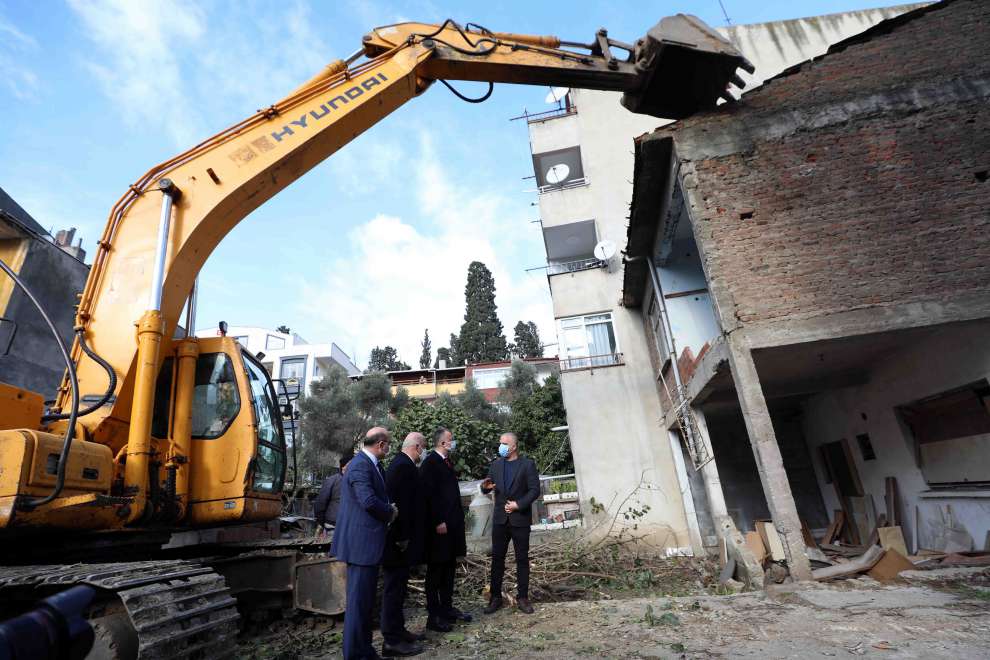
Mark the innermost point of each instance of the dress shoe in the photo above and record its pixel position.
(409, 636)
(524, 606)
(401, 648)
(436, 624)
(494, 605)
(455, 614)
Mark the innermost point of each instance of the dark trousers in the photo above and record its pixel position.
(440, 589)
(520, 545)
(396, 579)
(361, 584)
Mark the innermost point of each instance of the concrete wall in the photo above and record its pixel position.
(55, 278)
(951, 356)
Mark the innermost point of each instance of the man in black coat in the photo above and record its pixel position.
(403, 545)
(516, 483)
(327, 503)
(445, 540)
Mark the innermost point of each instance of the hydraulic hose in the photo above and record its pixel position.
(70, 368)
(111, 386)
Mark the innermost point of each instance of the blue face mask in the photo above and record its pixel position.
(503, 451)
(453, 445)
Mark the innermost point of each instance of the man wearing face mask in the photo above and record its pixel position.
(517, 485)
(403, 546)
(445, 540)
(359, 538)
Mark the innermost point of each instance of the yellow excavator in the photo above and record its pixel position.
(161, 457)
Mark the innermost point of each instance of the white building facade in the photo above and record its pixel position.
(583, 163)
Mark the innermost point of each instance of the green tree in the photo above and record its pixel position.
(473, 402)
(531, 419)
(477, 441)
(518, 384)
(527, 341)
(284, 329)
(385, 359)
(481, 338)
(339, 410)
(456, 358)
(427, 354)
(443, 353)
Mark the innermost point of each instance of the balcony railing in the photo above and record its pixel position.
(591, 362)
(575, 266)
(532, 118)
(566, 185)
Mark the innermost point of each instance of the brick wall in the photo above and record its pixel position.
(858, 181)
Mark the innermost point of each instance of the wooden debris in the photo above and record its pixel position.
(853, 567)
(967, 559)
(890, 566)
(892, 538)
(771, 540)
(755, 543)
(809, 540)
(844, 550)
(835, 529)
(892, 498)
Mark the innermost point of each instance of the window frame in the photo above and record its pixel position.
(567, 358)
(279, 427)
(237, 390)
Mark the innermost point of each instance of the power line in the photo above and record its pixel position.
(728, 21)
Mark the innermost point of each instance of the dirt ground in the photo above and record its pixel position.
(930, 614)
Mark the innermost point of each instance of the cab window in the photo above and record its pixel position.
(269, 472)
(215, 398)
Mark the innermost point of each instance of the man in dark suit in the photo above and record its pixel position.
(359, 539)
(327, 503)
(517, 485)
(403, 545)
(445, 540)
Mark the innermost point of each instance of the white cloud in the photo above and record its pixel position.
(141, 70)
(399, 278)
(16, 48)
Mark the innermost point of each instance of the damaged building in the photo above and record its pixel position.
(810, 266)
(582, 155)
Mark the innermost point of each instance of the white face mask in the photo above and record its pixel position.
(453, 445)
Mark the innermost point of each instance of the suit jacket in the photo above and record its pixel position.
(524, 490)
(327, 504)
(443, 505)
(405, 491)
(359, 537)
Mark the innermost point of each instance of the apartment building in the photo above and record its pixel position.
(844, 370)
(583, 162)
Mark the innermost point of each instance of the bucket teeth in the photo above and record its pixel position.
(685, 67)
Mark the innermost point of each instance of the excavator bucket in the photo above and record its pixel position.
(685, 67)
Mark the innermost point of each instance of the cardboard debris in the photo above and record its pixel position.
(892, 538)
(890, 566)
(853, 567)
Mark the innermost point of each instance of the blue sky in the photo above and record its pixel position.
(372, 246)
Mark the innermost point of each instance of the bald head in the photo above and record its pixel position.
(376, 441)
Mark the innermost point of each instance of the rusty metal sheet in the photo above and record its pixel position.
(321, 586)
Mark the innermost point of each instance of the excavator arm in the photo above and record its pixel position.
(162, 230)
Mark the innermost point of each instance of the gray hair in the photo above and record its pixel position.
(438, 434)
(510, 434)
(413, 439)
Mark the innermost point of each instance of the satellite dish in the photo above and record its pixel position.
(605, 250)
(557, 94)
(558, 173)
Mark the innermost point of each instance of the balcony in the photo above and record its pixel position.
(575, 266)
(591, 362)
(534, 118)
(566, 185)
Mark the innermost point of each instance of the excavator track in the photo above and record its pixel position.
(176, 609)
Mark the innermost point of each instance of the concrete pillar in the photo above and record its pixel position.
(749, 569)
(768, 459)
(687, 497)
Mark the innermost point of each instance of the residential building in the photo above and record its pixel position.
(289, 357)
(428, 384)
(583, 164)
(29, 356)
(488, 376)
(836, 219)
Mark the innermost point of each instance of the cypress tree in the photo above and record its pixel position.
(481, 338)
(424, 358)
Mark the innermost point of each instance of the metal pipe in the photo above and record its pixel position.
(169, 194)
(191, 309)
(662, 307)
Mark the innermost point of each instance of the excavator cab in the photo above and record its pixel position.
(236, 454)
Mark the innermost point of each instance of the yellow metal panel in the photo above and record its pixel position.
(235, 509)
(418, 390)
(90, 468)
(20, 408)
